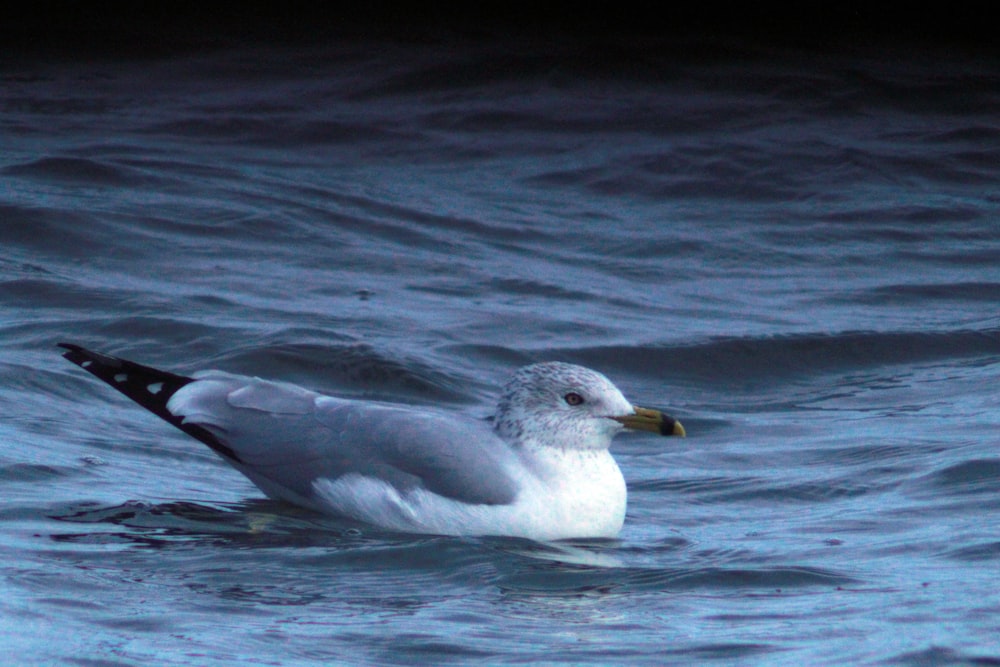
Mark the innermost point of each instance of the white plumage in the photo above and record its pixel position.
(541, 470)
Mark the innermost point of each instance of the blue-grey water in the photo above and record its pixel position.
(797, 252)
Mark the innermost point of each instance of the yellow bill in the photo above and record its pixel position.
(644, 419)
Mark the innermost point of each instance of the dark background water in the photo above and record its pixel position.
(783, 227)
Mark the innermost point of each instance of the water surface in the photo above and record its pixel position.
(795, 252)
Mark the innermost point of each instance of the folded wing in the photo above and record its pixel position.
(287, 438)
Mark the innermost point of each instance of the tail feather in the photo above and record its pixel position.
(149, 387)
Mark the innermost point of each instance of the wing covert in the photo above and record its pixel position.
(292, 437)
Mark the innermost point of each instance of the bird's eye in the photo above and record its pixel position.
(573, 398)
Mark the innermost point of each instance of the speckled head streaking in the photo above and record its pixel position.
(554, 404)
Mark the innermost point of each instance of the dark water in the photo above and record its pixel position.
(796, 251)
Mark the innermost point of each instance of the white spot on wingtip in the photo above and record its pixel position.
(121, 377)
(155, 388)
(87, 364)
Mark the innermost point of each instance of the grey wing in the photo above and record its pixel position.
(285, 438)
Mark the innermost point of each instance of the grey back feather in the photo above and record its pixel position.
(293, 437)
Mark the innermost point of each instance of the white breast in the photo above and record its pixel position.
(563, 495)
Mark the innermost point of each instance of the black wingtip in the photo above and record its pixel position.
(81, 355)
(149, 387)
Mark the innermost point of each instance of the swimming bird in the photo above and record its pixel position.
(541, 470)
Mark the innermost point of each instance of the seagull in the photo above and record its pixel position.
(540, 469)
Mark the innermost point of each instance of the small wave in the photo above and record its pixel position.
(75, 170)
(979, 476)
(937, 655)
(566, 580)
(354, 367)
(917, 294)
(976, 552)
(774, 578)
(281, 133)
(31, 472)
(755, 358)
(37, 235)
